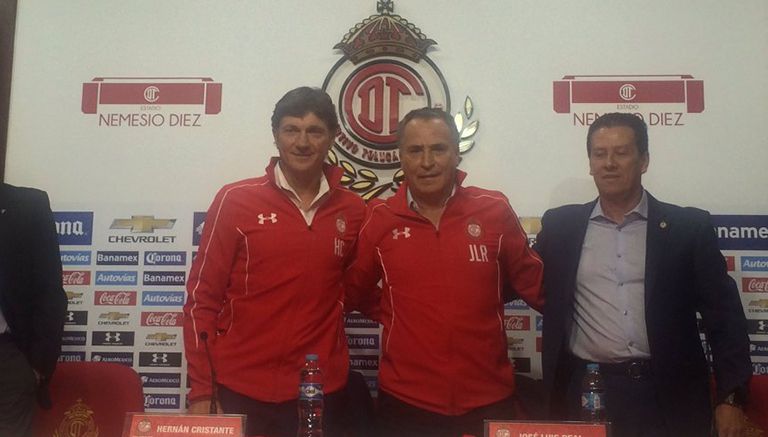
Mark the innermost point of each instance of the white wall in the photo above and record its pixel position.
(504, 55)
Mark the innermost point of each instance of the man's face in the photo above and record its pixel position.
(615, 163)
(429, 157)
(303, 144)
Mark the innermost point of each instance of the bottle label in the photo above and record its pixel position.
(592, 401)
(310, 391)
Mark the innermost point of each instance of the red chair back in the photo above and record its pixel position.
(90, 398)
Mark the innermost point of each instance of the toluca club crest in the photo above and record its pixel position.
(383, 75)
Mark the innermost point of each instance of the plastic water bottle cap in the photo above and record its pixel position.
(311, 357)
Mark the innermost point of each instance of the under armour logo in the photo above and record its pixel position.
(272, 218)
(405, 233)
(110, 336)
(761, 325)
(70, 316)
(159, 358)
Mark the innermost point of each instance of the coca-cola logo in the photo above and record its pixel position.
(754, 285)
(76, 277)
(517, 323)
(161, 319)
(115, 298)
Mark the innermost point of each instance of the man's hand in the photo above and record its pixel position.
(203, 407)
(730, 421)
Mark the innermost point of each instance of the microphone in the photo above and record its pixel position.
(214, 393)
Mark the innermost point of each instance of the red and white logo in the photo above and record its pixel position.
(76, 277)
(730, 261)
(661, 100)
(517, 322)
(151, 101)
(754, 285)
(384, 74)
(114, 298)
(161, 319)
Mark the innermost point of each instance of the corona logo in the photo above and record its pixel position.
(384, 74)
(78, 421)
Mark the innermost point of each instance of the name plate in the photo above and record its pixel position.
(512, 428)
(177, 425)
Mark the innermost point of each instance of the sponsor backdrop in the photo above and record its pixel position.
(131, 116)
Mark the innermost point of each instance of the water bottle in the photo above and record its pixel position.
(310, 399)
(592, 395)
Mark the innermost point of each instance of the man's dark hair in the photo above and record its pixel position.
(429, 114)
(625, 119)
(303, 100)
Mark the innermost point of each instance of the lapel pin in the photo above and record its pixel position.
(663, 225)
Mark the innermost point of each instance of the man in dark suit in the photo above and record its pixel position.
(624, 277)
(32, 305)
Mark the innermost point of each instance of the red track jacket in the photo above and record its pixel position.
(267, 289)
(444, 347)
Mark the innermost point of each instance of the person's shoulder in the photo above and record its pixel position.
(378, 206)
(687, 213)
(23, 194)
(350, 198)
(486, 196)
(245, 184)
(567, 211)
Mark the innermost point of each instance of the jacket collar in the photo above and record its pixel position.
(333, 173)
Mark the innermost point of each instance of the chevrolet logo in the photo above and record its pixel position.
(73, 295)
(143, 223)
(514, 340)
(761, 303)
(161, 336)
(113, 315)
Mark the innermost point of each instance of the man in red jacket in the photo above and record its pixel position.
(444, 253)
(265, 288)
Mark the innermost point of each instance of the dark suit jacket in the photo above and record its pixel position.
(31, 295)
(685, 273)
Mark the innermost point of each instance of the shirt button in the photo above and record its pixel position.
(618, 255)
(621, 284)
(625, 313)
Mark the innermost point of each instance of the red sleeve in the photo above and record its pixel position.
(208, 279)
(363, 275)
(522, 267)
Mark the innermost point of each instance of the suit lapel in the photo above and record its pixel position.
(655, 242)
